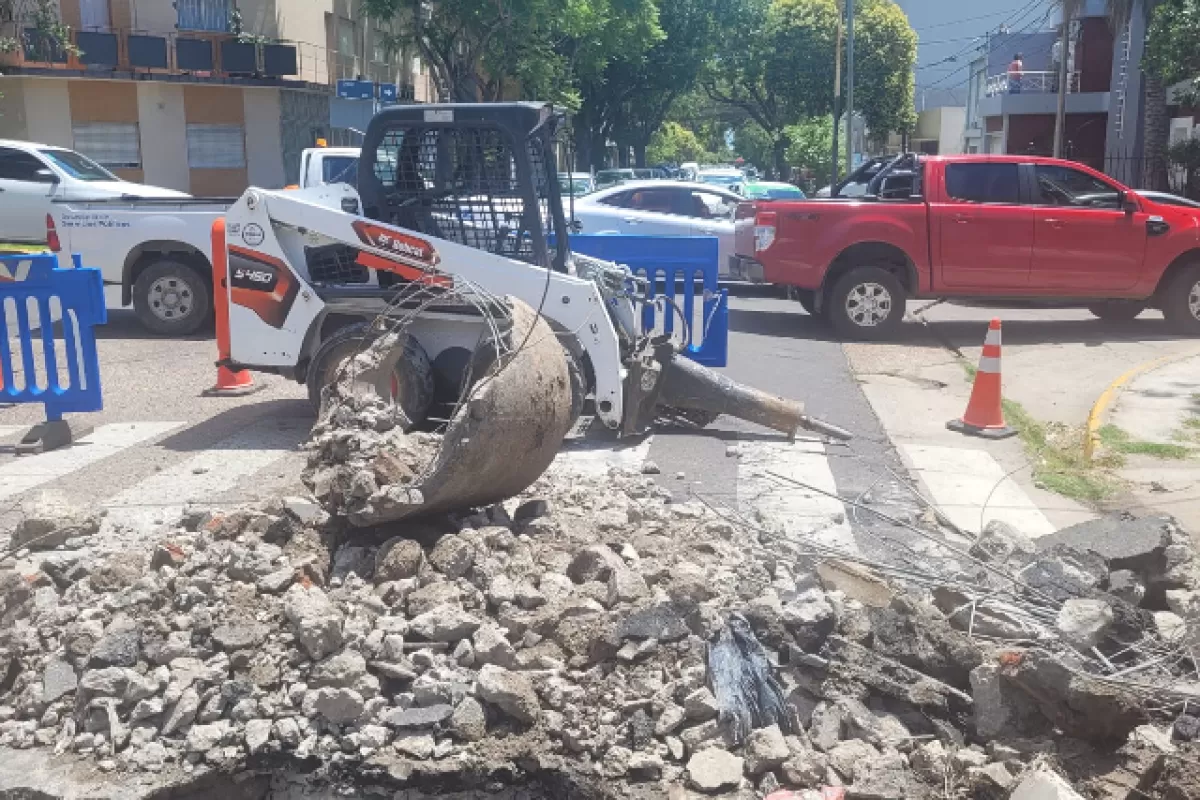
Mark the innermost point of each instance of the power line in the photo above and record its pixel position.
(957, 21)
(1012, 19)
(1050, 10)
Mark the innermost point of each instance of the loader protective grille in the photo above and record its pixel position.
(464, 184)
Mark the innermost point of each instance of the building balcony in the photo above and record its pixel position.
(1029, 83)
(191, 55)
(1037, 93)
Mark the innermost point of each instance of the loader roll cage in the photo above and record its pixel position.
(478, 174)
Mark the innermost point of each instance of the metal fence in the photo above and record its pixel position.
(1029, 83)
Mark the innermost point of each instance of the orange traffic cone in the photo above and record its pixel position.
(230, 383)
(985, 416)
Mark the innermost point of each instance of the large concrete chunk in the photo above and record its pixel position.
(1044, 785)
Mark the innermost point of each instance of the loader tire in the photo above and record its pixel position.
(171, 298)
(412, 385)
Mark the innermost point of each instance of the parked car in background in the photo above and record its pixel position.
(978, 226)
(771, 190)
(159, 250)
(33, 176)
(689, 171)
(726, 178)
(649, 174)
(1169, 199)
(576, 184)
(662, 208)
(611, 177)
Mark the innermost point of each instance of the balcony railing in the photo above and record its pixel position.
(197, 53)
(1030, 83)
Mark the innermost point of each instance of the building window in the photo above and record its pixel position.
(203, 15)
(216, 146)
(93, 14)
(110, 144)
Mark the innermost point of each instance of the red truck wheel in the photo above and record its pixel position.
(1181, 301)
(866, 303)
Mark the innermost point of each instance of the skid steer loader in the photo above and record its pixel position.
(460, 245)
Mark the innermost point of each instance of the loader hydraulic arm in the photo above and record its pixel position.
(574, 306)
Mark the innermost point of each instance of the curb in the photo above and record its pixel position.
(1096, 416)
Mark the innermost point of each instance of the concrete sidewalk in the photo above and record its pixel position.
(1158, 412)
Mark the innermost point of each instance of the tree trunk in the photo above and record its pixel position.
(639, 154)
(781, 162)
(583, 143)
(622, 154)
(1155, 132)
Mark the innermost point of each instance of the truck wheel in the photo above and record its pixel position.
(866, 303)
(411, 385)
(1117, 310)
(1181, 301)
(172, 298)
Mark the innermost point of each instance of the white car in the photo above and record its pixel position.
(726, 178)
(33, 176)
(662, 208)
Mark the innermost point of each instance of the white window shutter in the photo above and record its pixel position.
(110, 144)
(214, 146)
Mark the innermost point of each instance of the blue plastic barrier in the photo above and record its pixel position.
(35, 280)
(673, 264)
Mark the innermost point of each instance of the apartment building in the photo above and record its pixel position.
(167, 92)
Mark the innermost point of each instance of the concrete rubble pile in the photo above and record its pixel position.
(565, 637)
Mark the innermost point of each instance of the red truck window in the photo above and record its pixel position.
(1063, 186)
(983, 183)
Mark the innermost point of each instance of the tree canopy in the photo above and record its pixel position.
(623, 66)
(1173, 41)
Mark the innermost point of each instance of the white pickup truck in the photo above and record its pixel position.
(159, 251)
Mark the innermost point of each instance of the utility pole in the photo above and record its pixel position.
(837, 96)
(1064, 57)
(849, 86)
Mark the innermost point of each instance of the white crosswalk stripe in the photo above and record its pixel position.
(162, 497)
(972, 489)
(249, 464)
(780, 506)
(29, 472)
(590, 458)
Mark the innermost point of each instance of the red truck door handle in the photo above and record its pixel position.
(1057, 223)
(961, 219)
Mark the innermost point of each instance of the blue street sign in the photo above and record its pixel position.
(356, 90)
(387, 92)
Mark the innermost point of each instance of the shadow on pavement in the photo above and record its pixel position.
(961, 333)
(124, 324)
(209, 435)
(794, 325)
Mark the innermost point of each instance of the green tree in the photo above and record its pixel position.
(809, 144)
(481, 49)
(776, 65)
(675, 144)
(885, 55)
(667, 70)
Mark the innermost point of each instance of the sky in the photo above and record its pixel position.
(949, 33)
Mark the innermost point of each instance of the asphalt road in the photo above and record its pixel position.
(774, 346)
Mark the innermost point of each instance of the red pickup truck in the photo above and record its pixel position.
(984, 226)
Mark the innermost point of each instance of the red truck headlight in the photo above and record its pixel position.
(764, 230)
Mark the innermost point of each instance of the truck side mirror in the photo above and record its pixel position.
(1129, 203)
